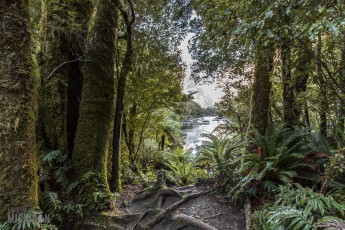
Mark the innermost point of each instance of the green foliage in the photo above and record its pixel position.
(297, 207)
(31, 219)
(57, 165)
(98, 200)
(51, 202)
(218, 154)
(67, 201)
(181, 165)
(335, 168)
(276, 158)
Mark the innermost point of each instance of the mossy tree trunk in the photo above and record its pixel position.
(129, 135)
(18, 166)
(94, 124)
(323, 105)
(289, 116)
(127, 68)
(301, 77)
(341, 106)
(262, 88)
(63, 35)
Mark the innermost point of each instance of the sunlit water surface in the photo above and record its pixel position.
(193, 134)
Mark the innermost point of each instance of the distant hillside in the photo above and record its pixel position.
(193, 109)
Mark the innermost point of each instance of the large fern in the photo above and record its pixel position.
(279, 157)
(180, 163)
(218, 154)
(297, 207)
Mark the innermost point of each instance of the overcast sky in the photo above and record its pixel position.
(207, 94)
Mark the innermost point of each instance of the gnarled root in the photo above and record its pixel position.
(169, 214)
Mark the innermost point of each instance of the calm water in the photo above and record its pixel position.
(193, 138)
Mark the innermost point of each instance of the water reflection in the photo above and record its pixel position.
(193, 139)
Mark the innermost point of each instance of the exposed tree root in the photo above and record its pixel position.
(160, 183)
(160, 197)
(169, 214)
(248, 212)
(186, 220)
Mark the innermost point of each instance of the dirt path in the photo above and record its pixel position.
(191, 208)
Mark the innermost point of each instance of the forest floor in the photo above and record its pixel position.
(197, 207)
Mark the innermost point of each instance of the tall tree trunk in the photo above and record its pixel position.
(82, 12)
(289, 117)
(18, 166)
(301, 77)
(163, 142)
(53, 92)
(262, 88)
(93, 132)
(323, 92)
(341, 106)
(61, 93)
(127, 68)
(306, 114)
(131, 135)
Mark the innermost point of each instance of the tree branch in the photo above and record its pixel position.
(65, 63)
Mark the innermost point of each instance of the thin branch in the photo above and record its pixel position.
(65, 63)
(132, 12)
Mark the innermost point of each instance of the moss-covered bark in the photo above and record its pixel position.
(18, 166)
(63, 35)
(301, 76)
(289, 116)
(323, 104)
(93, 131)
(341, 105)
(52, 106)
(262, 88)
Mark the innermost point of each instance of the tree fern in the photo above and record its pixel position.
(218, 153)
(279, 156)
(181, 166)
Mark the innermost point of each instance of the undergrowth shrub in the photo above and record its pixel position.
(29, 219)
(67, 201)
(279, 157)
(297, 207)
(182, 168)
(218, 154)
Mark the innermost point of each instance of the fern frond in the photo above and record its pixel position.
(51, 157)
(51, 202)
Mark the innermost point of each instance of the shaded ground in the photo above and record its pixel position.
(202, 211)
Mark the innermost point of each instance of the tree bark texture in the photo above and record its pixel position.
(91, 143)
(18, 166)
(262, 88)
(60, 95)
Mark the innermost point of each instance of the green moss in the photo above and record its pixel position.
(52, 91)
(93, 132)
(63, 34)
(262, 88)
(18, 166)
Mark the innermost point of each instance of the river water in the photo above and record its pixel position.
(193, 139)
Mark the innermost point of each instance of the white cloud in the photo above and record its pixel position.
(208, 94)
